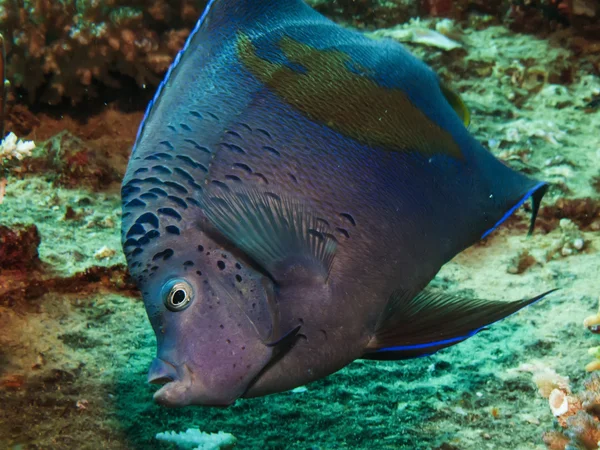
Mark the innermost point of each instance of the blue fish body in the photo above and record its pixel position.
(293, 189)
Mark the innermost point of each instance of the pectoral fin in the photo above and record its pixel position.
(420, 325)
(278, 233)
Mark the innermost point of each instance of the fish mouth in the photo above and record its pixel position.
(180, 386)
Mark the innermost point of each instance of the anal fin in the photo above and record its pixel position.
(419, 325)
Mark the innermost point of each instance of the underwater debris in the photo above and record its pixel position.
(418, 35)
(592, 323)
(73, 163)
(521, 262)
(577, 415)
(570, 242)
(585, 212)
(19, 247)
(197, 440)
(37, 284)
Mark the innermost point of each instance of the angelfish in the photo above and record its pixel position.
(293, 189)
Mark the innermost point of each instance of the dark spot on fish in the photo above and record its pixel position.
(163, 155)
(141, 170)
(172, 229)
(190, 162)
(149, 196)
(238, 266)
(168, 144)
(178, 201)
(131, 242)
(330, 236)
(193, 201)
(195, 185)
(264, 132)
(316, 234)
(221, 265)
(176, 186)
(199, 273)
(244, 167)
(323, 221)
(172, 128)
(149, 158)
(169, 212)
(220, 184)
(233, 133)
(198, 146)
(184, 174)
(262, 178)
(162, 169)
(196, 114)
(293, 177)
(152, 180)
(349, 218)
(136, 229)
(128, 190)
(153, 268)
(148, 218)
(185, 127)
(213, 116)
(152, 234)
(271, 150)
(324, 333)
(344, 232)
(159, 191)
(228, 341)
(238, 278)
(188, 264)
(135, 203)
(164, 255)
(200, 248)
(273, 196)
(233, 178)
(246, 126)
(136, 252)
(234, 148)
(221, 327)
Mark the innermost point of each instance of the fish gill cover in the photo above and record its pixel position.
(76, 344)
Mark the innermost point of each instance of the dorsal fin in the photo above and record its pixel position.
(216, 14)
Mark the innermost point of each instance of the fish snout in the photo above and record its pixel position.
(161, 372)
(182, 388)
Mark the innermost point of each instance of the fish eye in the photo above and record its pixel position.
(177, 295)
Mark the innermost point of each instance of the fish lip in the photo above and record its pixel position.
(185, 389)
(173, 393)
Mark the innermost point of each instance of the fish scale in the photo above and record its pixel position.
(293, 189)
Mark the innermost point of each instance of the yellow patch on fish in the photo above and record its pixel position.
(329, 92)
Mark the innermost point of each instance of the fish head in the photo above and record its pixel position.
(211, 314)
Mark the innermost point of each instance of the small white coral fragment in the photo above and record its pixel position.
(12, 147)
(197, 440)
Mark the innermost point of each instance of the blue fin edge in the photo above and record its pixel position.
(174, 64)
(458, 338)
(429, 344)
(529, 193)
